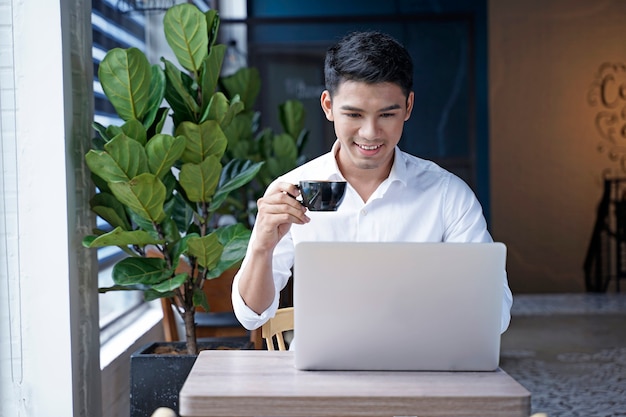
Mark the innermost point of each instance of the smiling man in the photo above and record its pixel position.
(391, 196)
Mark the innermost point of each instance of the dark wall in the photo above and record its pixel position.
(287, 41)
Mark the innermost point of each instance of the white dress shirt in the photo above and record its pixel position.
(418, 202)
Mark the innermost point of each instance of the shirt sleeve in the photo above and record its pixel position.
(507, 302)
(281, 265)
(465, 222)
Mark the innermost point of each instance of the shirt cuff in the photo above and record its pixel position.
(246, 316)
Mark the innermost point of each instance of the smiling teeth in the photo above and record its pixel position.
(369, 148)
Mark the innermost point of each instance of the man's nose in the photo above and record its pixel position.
(369, 129)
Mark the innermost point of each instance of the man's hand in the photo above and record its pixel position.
(277, 210)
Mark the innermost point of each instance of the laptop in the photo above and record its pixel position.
(398, 306)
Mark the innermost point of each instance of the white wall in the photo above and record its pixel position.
(48, 344)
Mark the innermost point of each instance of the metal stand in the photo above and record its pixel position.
(606, 255)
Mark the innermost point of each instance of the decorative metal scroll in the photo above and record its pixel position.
(142, 6)
(608, 92)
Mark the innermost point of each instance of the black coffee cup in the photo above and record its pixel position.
(322, 195)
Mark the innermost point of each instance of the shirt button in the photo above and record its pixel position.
(364, 212)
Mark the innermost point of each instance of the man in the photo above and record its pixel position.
(391, 195)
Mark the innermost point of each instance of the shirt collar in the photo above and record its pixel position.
(398, 169)
(331, 169)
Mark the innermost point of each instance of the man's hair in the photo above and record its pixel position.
(369, 57)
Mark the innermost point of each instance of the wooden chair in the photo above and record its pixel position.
(275, 328)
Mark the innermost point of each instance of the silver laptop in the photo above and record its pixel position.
(398, 306)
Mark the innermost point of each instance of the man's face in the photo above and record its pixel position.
(368, 120)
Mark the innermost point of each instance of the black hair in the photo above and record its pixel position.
(370, 57)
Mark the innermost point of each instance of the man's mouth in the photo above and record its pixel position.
(368, 147)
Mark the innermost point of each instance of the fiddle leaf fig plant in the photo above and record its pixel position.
(280, 152)
(161, 192)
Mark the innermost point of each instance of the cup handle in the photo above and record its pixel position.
(294, 197)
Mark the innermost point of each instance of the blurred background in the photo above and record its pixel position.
(523, 100)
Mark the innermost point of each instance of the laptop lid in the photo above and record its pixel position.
(398, 306)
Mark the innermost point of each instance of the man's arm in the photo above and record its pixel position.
(277, 210)
(467, 224)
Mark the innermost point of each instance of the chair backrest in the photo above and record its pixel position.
(276, 327)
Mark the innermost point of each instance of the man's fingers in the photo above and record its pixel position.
(284, 208)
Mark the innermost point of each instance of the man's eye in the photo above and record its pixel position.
(353, 115)
(386, 115)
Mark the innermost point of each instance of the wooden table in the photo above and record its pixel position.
(264, 383)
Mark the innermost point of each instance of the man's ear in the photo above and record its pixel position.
(327, 105)
(409, 105)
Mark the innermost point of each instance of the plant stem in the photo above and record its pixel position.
(190, 330)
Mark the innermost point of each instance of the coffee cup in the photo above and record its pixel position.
(322, 195)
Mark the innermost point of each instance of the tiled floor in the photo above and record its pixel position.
(569, 351)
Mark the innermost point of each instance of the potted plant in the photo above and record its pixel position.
(280, 152)
(161, 193)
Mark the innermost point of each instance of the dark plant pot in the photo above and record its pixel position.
(157, 378)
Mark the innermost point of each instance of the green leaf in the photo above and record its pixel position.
(292, 116)
(128, 154)
(211, 67)
(181, 213)
(217, 108)
(122, 159)
(239, 134)
(235, 240)
(162, 152)
(102, 131)
(234, 175)
(170, 230)
(180, 247)
(101, 184)
(206, 139)
(135, 287)
(125, 76)
(157, 93)
(286, 154)
(171, 182)
(134, 271)
(200, 300)
(121, 237)
(150, 295)
(177, 93)
(135, 130)
(103, 166)
(110, 209)
(236, 106)
(186, 33)
(213, 24)
(159, 121)
(284, 147)
(144, 195)
(171, 283)
(113, 131)
(206, 249)
(271, 167)
(246, 82)
(200, 180)
(87, 240)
